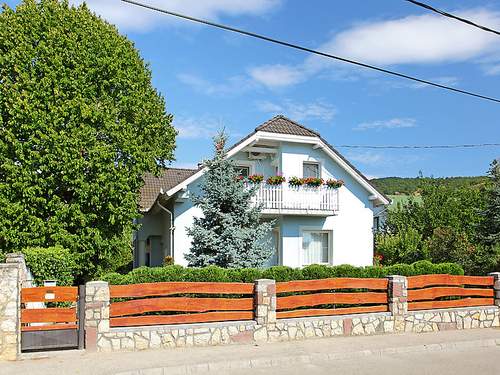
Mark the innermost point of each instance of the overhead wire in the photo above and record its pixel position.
(310, 50)
(450, 15)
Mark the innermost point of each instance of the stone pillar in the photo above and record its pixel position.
(18, 258)
(96, 312)
(265, 301)
(10, 311)
(496, 287)
(398, 295)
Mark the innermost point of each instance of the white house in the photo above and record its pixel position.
(312, 225)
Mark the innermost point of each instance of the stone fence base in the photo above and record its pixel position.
(207, 334)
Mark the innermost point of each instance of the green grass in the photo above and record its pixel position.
(402, 199)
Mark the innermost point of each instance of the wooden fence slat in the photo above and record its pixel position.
(169, 288)
(49, 315)
(339, 311)
(456, 280)
(336, 283)
(148, 320)
(179, 304)
(468, 302)
(437, 292)
(291, 302)
(54, 294)
(49, 327)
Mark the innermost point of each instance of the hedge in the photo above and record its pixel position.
(51, 263)
(278, 273)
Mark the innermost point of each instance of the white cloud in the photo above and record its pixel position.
(366, 157)
(394, 123)
(425, 38)
(445, 80)
(131, 17)
(230, 86)
(317, 110)
(193, 128)
(275, 76)
(492, 70)
(422, 39)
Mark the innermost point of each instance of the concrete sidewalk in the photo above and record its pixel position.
(223, 358)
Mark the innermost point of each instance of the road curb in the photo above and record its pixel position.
(269, 362)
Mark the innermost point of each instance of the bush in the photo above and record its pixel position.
(406, 246)
(278, 273)
(51, 263)
(449, 245)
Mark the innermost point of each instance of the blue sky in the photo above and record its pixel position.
(211, 78)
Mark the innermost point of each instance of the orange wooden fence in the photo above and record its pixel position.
(434, 291)
(51, 318)
(150, 299)
(332, 292)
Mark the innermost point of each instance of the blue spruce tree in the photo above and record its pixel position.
(230, 234)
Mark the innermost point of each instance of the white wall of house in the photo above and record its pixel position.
(349, 231)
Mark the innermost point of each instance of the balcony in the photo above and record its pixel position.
(291, 200)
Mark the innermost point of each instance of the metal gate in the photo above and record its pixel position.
(52, 318)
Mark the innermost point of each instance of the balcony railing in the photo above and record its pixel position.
(300, 198)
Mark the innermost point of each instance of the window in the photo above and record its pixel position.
(315, 247)
(310, 170)
(243, 171)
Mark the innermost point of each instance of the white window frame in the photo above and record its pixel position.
(312, 162)
(245, 164)
(316, 230)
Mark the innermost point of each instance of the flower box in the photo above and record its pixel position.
(334, 184)
(275, 180)
(295, 181)
(313, 181)
(256, 178)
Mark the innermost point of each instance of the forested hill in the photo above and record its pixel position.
(407, 185)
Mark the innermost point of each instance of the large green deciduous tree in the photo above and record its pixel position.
(80, 123)
(230, 233)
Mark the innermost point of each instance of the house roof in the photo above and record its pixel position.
(282, 125)
(153, 185)
(279, 124)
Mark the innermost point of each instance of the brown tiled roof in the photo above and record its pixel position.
(168, 179)
(281, 124)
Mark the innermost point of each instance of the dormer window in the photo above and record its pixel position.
(310, 169)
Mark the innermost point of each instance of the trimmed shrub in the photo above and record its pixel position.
(51, 263)
(278, 273)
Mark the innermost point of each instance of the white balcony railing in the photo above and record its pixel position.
(284, 197)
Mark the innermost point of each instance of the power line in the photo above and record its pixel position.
(324, 54)
(446, 14)
(422, 146)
